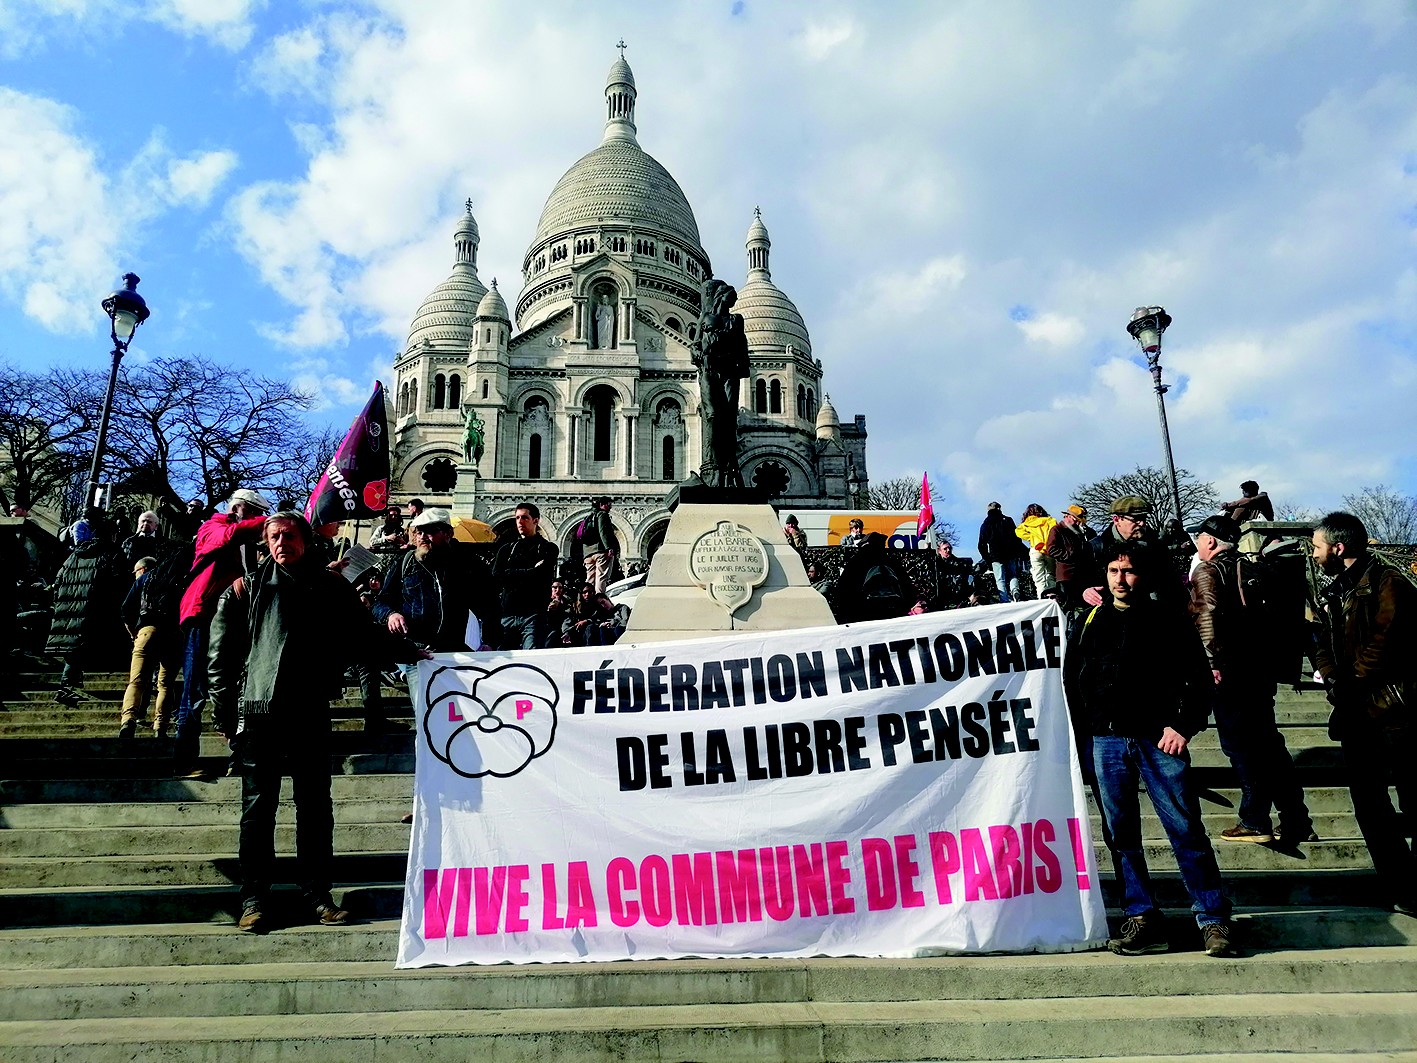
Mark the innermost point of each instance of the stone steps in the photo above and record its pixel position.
(781, 1032)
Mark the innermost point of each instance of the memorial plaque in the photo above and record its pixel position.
(728, 561)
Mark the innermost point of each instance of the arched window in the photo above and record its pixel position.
(402, 406)
(801, 401)
(454, 391)
(760, 396)
(667, 460)
(602, 406)
(440, 392)
(412, 396)
(811, 403)
(533, 458)
(673, 322)
(484, 389)
(775, 397)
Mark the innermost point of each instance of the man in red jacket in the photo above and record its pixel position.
(226, 549)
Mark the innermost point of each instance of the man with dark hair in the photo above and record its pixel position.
(1001, 550)
(280, 639)
(522, 572)
(1253, 504)
(1367, 658)
(1139, 690)
(1236, 641)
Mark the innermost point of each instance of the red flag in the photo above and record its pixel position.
(356, 482)
(927, 511)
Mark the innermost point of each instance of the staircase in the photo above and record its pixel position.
(117, 940)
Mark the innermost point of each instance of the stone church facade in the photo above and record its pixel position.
(590, 389)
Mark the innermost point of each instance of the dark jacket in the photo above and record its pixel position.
(1065, 546)
(873, 584)
(1369, 641)
(522, 572)
(280, 641)
(87, 595)
(435, 596)
(1148, 557)
(998, 539)
(137, 547)
(1235, 641)
(598, 534)
(1134, 672)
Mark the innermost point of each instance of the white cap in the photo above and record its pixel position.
(251, 498)
(432, 515)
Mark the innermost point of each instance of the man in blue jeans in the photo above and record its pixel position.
(1139, 688)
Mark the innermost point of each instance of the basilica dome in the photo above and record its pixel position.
(445, 318)
(770, 318)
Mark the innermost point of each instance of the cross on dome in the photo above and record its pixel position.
(622, 46)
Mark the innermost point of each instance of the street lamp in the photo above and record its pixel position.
(126, 310)
(1146, 327)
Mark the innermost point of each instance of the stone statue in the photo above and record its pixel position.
(604, 317)
(721, 354)
(472, 436)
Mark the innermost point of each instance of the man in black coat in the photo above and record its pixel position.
(1002, 550)
(280, 640)
(87, 595)
(522, 573)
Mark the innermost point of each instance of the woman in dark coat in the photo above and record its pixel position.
(86, 606)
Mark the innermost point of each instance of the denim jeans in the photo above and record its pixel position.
(1006, 575)
(1120, 763)
(1250, 738)
(523, 632)
(187, 742)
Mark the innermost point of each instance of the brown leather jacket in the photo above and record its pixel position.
(1370, 638)
(1235, 649)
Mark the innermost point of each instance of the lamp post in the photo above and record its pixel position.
(853, 488)
(126, 310)
(1146, 327)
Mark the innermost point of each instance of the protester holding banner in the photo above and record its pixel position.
(1139, 689)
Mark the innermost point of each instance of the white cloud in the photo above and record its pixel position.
(1053, 330)
(326, 388)
(27, 26)
(194, 180)
(820, 39)
(912, 292)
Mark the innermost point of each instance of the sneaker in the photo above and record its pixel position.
(1140, 934)
(1242, 833)
(1215, 939)
(67, 696)
(128, 730)
(327, 914)
(1403, 908)
(251, 921)
(191, 771)
(1294, 837)
(160, 732)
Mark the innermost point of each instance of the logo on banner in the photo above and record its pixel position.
(728, 561)
(376, 494)
(495, 722)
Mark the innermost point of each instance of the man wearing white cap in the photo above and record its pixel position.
(225, 550)
(431, 590)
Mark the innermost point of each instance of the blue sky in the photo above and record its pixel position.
(966, 200)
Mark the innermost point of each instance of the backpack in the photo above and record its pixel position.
(161, 597)
(1271, 605)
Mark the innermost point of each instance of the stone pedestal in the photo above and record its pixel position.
(742, 577)
(465, 492)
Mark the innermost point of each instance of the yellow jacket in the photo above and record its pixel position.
(1034, 531)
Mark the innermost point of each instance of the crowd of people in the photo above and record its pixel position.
(264, 621)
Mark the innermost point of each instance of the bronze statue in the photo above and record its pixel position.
(721, 354)
(472, 437)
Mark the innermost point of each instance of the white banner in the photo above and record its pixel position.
(898, 788)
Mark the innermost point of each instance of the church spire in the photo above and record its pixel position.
(620, 99)
(757, 245)
(466, 238)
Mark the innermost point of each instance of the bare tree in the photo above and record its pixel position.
(1286, 510)
(1390, 518)
(48, 423)
(901, 494)
(1198, 499)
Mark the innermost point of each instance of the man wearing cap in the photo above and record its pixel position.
(1065, 546)
(598, 544)
(1235, 644)
(430, 591)
(1131, 523)
(225, 550)
(522, 573)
